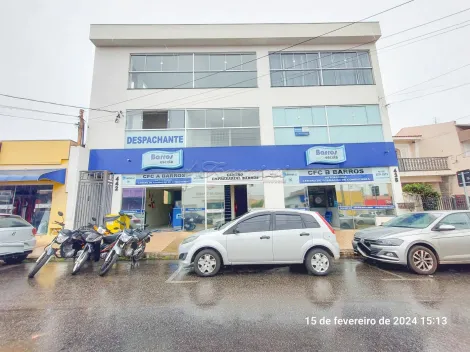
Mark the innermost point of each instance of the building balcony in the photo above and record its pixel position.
(423, 164)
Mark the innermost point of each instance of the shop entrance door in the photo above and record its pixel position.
(323, 200)
(241, 200)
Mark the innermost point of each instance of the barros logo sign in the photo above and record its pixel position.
(325, 155)
(159, 159)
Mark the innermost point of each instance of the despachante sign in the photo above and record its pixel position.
(160, 159)
(325, 155)
(152, 139)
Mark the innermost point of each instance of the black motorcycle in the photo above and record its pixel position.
(90, 250)
(67, 243)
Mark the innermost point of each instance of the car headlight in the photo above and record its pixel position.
(388, 242)
(189, 239)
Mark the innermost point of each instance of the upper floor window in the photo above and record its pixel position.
(162, 71)
(320, 69)
(193, 128)
(327, 124)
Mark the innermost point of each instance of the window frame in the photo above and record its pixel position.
(320, 69)
(288, 214)
(193, 71)
(230, 231)
(465, 213)
(327, 124)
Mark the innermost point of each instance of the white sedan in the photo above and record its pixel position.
(16, 238)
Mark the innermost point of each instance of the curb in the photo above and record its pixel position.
(344, 254)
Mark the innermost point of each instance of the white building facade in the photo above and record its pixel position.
(219, 119)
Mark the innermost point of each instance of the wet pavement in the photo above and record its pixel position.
(157, 307)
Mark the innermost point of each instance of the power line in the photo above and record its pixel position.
(275, 52)
(425, 95)
(329, 66)
(53, 103)
(41, 111)
(428, 80)
(31, 118)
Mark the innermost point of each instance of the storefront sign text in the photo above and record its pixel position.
(301, 131)
(366, 207)
(325, 155)
(159, 159)
(162, 179)
(349, 175)
(157, 139)
(235, 177)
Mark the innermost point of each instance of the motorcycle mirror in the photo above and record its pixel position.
(121, 213)
(94, 219)
(60, 213)
(116, 228)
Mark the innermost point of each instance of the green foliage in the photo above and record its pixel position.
(421, 189)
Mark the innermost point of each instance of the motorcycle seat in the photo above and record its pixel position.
(67, 232)
(110, 239)
(142, 235)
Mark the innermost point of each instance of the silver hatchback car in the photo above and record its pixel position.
(419, 240)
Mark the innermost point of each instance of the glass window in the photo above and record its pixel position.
(244, 136)
(193, 199)
(160, 80)
(196, 118)
(154, 63)
(275, 61)
(185, 63)
(295, 197)
(232, 118)
(255, 224)
(356, 134)
(304, 69)
(7, 221)
(233, 62)
(176, 119)
(286, 136)
(169, 63)
(413, 220)
(279, 117)
(255, 194)
(458, 220)
(249, 62)
(373, 114)
(310, 222)
(215, 205)
(288, 222)
(318, 115)
(134, 120)
(226, 79)
(201, 62)
(137, 63)
(250, 117)
(217, 62)
(214, 118)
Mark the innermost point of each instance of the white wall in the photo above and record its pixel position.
(78, 161)
(110, 82)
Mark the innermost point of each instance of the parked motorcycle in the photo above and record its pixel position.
(129, 243)
(189, 224)
(90, 250)
(67, 242)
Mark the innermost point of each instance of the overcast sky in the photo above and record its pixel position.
(46, 54)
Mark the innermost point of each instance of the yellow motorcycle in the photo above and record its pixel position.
(117, 222)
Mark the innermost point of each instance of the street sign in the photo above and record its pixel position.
(466, 175)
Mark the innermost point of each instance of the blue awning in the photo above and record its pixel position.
(57, 175)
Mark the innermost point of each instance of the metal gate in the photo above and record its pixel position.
(95, 192)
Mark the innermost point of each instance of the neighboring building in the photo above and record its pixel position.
(33, 180)
(433, 154)
(204, 98)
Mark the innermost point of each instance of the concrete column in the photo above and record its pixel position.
(396, 189)
(273, 189)
(116, 202)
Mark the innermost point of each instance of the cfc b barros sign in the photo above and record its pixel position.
(325, 155)
(159, 159)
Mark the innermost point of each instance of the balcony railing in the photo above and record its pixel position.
(422, 164)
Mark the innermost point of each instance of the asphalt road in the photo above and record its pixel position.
(157, 307)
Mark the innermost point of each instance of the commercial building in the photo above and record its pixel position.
(33, 180)
(220, 119)
(433, 154)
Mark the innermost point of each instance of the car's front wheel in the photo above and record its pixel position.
(422, 260)
(318, 262)
(207, 263)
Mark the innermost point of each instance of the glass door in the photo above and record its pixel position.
(133, 203)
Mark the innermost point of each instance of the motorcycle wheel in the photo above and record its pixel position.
(82, 258)
(39, 264)
(141, 250)
(108, 263)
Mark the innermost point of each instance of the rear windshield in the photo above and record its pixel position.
(413, 220)
(7, 221)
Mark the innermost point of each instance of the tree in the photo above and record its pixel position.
(428, 195)
(422, 189)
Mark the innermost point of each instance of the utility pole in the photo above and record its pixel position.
(81, 129)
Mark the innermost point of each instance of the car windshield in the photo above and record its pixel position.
(414, 220)
(224, 225)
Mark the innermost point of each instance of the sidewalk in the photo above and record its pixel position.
(164, 245)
